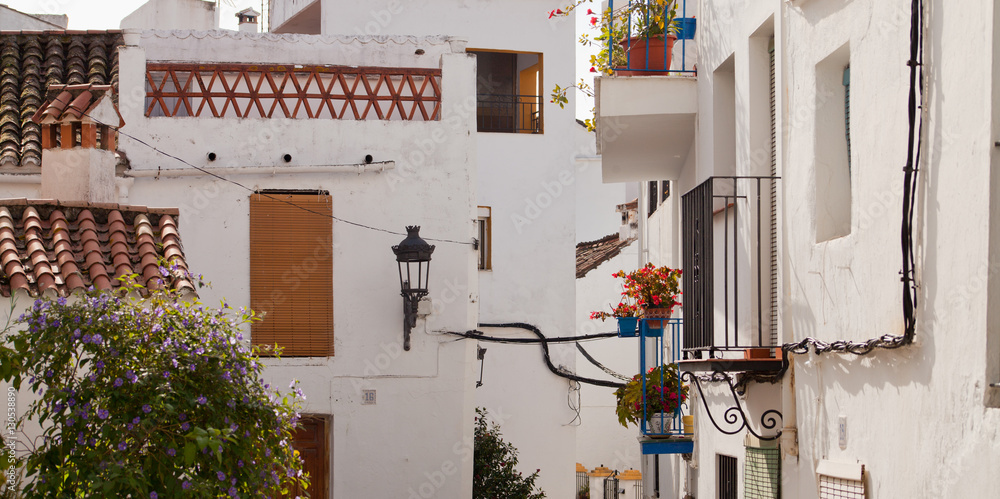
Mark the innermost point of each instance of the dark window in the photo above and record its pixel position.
(664, 190)
(727, 486)
(654, 197)
(485, 228)
(508, 87)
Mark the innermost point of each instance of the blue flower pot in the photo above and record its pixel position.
(627, 326)
(686, 27)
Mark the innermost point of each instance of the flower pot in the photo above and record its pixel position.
(656, 313)
(658, 424)
(627, 326)
(658, 49)
(686, 27)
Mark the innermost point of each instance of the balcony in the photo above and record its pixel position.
(730, 275)
(509, 113)
(648, 107)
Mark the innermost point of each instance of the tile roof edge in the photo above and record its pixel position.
(166, 210)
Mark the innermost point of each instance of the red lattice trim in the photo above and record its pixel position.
(286, 91)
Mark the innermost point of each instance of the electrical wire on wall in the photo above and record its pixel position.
(910, 170)
(210, 173)
(544, 342)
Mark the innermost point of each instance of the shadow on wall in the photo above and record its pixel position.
(814, 12)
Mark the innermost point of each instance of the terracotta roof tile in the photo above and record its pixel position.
(51, 248)
(31, 61)
(591, 255)
(71, 102)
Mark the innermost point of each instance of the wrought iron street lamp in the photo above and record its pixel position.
(413, 255)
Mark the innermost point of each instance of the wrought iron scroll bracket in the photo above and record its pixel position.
(735, 414)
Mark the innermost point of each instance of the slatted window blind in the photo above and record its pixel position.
(762, 473)
(291, 272)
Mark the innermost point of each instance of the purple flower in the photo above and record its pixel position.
(182, 416)
(130, 375)
(118, 382)
(186, 485)
(171, 452)
(202, 400)
(232, 491)
(103, 414)
(185, 426)
(152, 495)
(221, 475)
(136, 420)
(146, 408)
(122, 445)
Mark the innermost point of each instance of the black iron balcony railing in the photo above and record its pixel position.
(509, 113)
(728, 241)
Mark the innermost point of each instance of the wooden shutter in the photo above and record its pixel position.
(291, 272)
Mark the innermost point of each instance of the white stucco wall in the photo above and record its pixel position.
(601, 440)
(416, 439)
(173, 14)
(848, 287)
(528, 180)
(14, 20)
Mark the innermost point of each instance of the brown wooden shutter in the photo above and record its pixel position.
(291, 272)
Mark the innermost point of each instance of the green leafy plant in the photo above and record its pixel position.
(149, 397)
(663, 393)
(631, 19)
(584, 492)
(494, 467)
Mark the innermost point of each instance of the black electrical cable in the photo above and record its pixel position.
(264, 194)
(594, 361)
(479, 335)
(548, 360)
(914, 145)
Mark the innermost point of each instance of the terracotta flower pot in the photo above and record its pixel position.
(656, 313)
(637, 48)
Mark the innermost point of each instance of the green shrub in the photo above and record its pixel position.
(495, 474)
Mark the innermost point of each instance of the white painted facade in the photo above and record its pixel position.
(419, 431)
(529, 182)
(15, 20)
(174, 14)
(923, 419)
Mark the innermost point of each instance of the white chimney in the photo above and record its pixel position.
(248, 20)
(78, 143)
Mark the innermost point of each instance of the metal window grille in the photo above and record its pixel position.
(611, 487)
(509, 113)
(727, 485)
(664, 190)
(637, 489)
(773, 260)
(847, 113)
(840, 488)
(762, 473)
(582, 485)
(654, 197)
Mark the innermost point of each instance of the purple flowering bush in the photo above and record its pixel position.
(149, 397)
